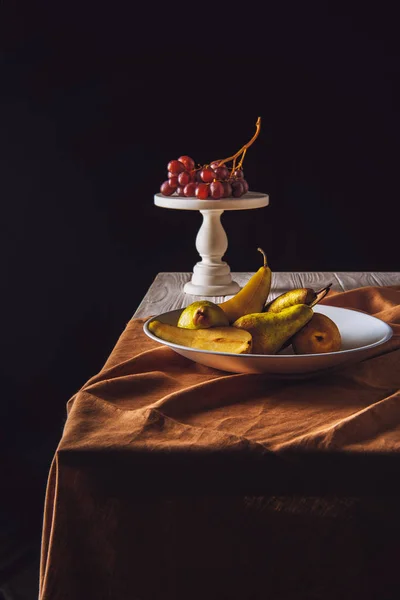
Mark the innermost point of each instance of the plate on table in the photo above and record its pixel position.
(359, 331)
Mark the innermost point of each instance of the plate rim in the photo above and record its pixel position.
(316, 355)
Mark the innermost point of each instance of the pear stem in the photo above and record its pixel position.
(265, 256)
(324, 289)
(321, 294)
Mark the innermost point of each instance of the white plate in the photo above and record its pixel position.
(360, 332)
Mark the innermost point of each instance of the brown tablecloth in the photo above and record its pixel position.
(174, 480)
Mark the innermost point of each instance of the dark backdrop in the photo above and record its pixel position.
(96, 99)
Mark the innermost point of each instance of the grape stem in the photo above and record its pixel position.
(242, 150)
(239, 166)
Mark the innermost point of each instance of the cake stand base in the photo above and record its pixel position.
(212, 276)
(212, 290)
(211, 280)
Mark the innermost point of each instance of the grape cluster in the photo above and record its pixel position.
(209, 181)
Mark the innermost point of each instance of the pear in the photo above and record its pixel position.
(253, 295)
(304, 295)
(201, 315)
(216, 339)
(319, 335)
(270, 331)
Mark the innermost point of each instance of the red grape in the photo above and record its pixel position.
(190, 189)
(166, 189)
(221, 172)
(201, 191)
(216, 190)
(176, 167)
(183, 178)
(173, 181)
(207, 174)
(188, 162)
(237, 188)
(227, 189)
(213, 180)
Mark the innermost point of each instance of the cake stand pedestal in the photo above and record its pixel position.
(212, 276)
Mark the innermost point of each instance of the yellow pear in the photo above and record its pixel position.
(252, 297)
(270, 331)
(215, 339)
(201, 315)
(304, 295)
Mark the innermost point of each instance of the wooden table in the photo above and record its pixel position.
(166, 292)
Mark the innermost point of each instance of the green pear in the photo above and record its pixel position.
(201, 315)
(270, 331)
(214, 339)
(304, 295)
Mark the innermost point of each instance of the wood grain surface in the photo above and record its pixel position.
(166, 292)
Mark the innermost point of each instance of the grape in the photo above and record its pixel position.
(216, 190)
(190, 189)
(173, 181)
(227, 189)
(188, 162)
(207, 174)
(183, 178)
(167, 189)
(237, 188)
(221, 172)
(201, 191)
(176, 167)
(215, 180)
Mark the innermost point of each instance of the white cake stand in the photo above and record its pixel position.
(212, 276)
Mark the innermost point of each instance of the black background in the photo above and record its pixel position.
(95, 101)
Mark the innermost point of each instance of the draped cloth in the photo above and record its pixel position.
(175, 480)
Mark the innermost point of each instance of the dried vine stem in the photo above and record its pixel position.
(242, 150)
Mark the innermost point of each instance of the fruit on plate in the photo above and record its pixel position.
(201, 315)
(303, 295)
(319, 335)
(270, 331)
(214, 339)
(253, 295)
(221, 178)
